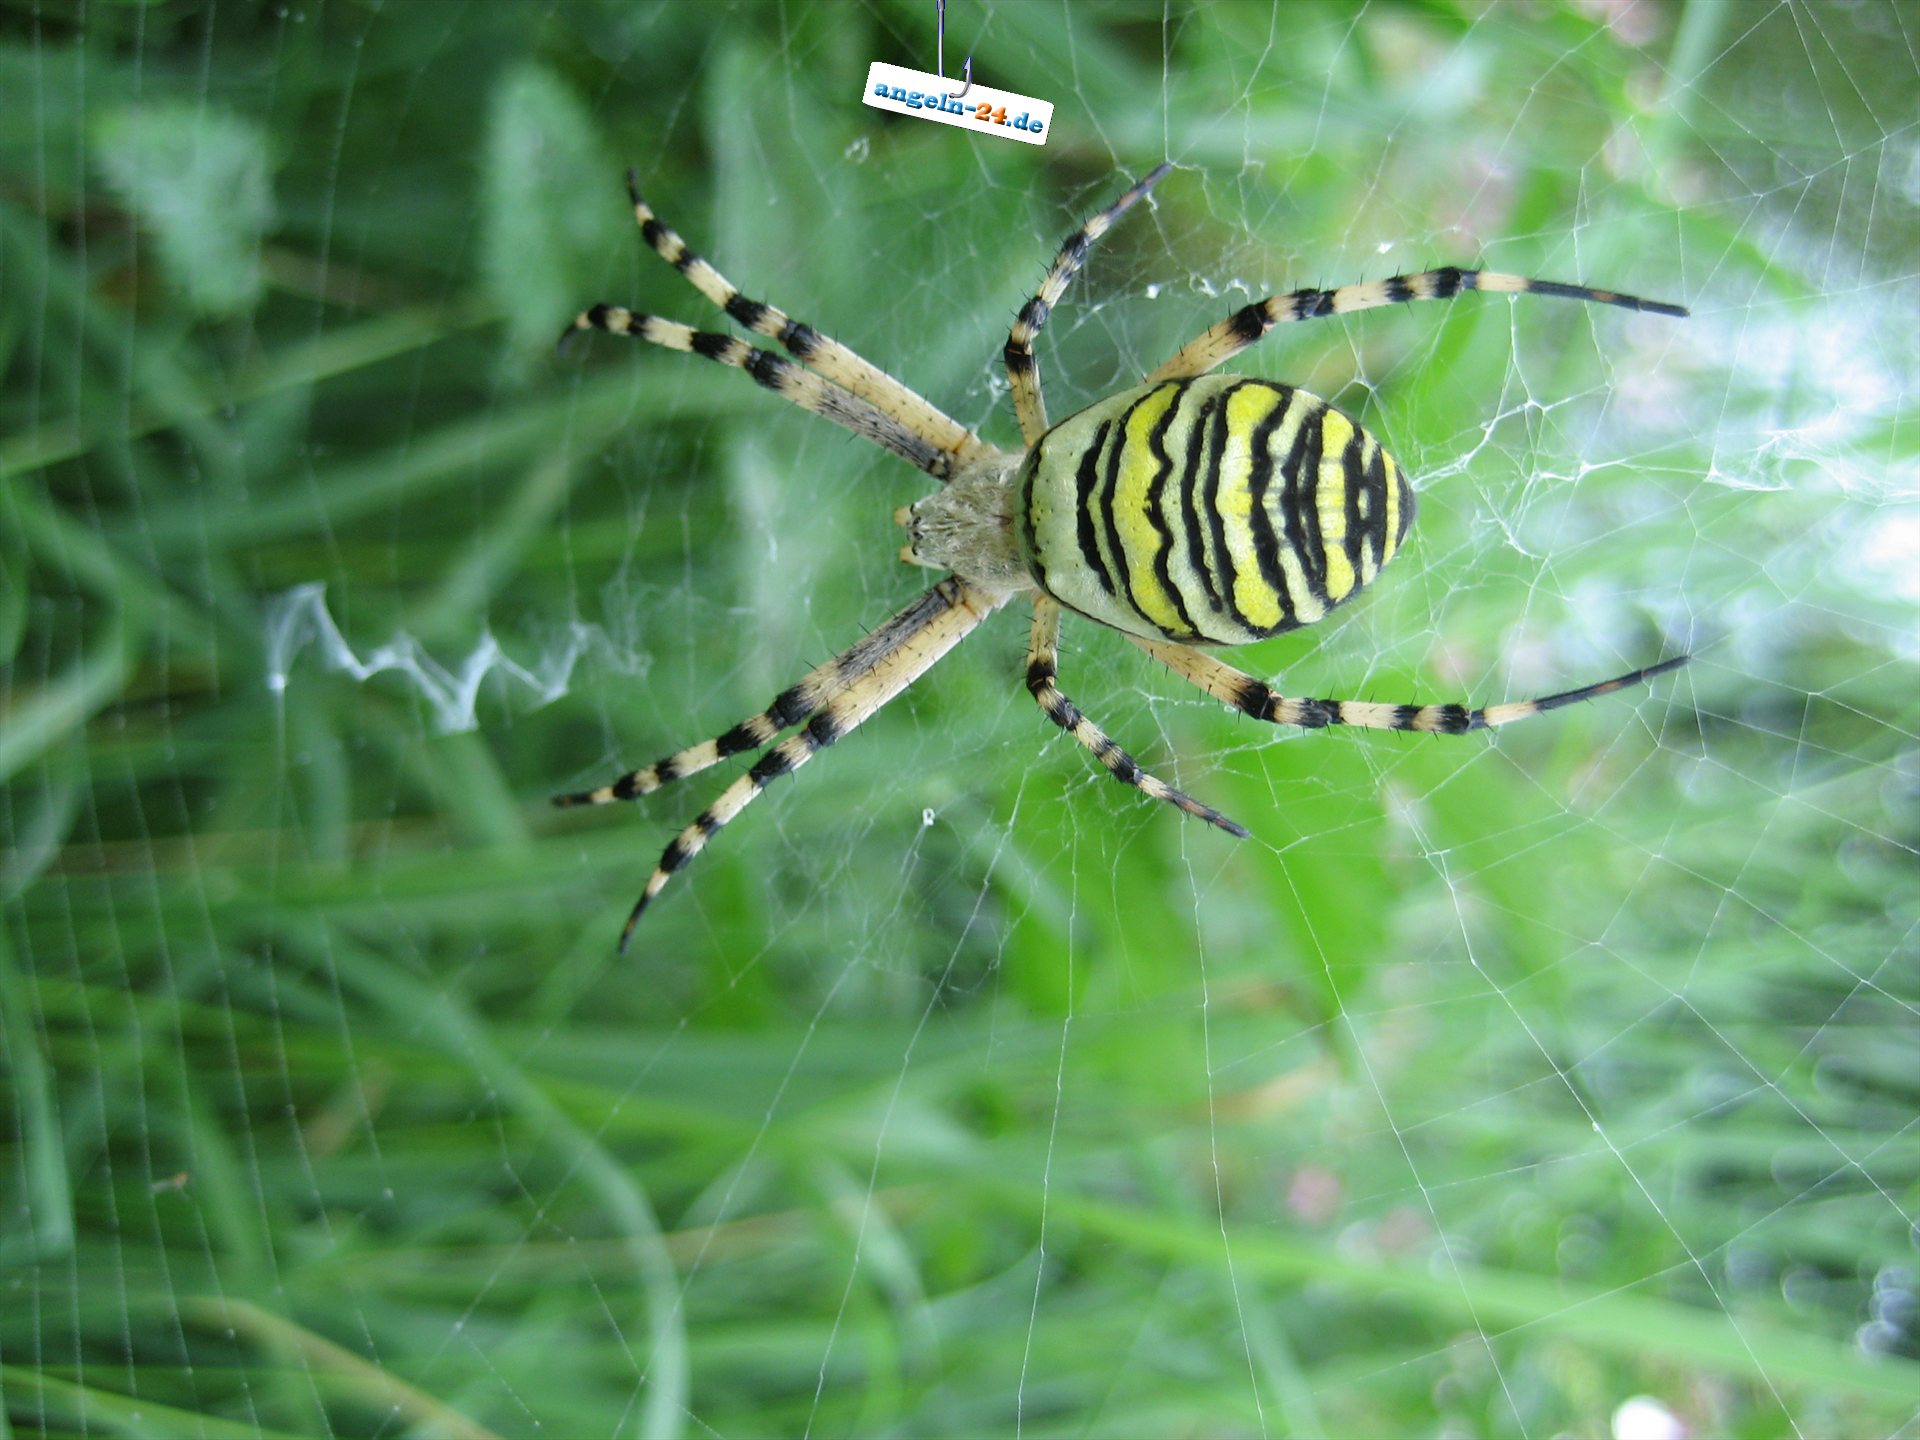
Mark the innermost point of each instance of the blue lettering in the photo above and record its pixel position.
(898, 94)
(880, 90)
(913, 100)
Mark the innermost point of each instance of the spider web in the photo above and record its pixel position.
(1559, 1081)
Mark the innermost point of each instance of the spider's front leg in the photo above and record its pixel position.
(834, 699)
(1248, 325)
(1023, 367)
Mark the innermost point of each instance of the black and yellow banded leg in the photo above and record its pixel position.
(1249, 324)
(1043, 658)
(837, 362)
(789, 708)
(784, 378)
(870, 674)
(1263, 702)
(1023, 368)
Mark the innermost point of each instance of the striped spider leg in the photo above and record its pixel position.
(845, 387)
(837, 362)
(833, 699)
(784, 378)
(1023, 366)
(1043, 656)
(1248, 325)
(1263, 702)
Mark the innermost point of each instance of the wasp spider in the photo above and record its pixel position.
(1194, 509)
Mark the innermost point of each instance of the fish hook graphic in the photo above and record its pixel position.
(940, 51)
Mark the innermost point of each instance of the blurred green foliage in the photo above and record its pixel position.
(198, 181)
(1496, 1081)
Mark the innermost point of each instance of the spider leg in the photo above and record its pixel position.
(1261, 701)
(784, 378)
(1248, 325)
(789, 708)
(867, 677)
(1023, 367)
(835, 361)
(1043, 654)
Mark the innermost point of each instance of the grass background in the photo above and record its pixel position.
(1494, 1082)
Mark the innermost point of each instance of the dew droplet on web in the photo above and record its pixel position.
(856, 151)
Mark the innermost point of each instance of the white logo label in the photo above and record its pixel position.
(982, 109)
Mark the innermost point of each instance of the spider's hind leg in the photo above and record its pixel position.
(1043, 659)
(1263, 702)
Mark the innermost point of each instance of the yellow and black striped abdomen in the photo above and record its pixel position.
(1220, 510)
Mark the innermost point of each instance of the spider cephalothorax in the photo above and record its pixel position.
(1192, 510)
